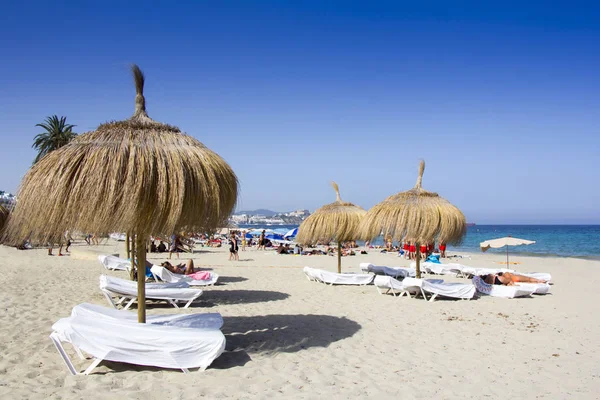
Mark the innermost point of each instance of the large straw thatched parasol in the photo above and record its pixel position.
(3, 217)
(137, 176)
(415, 215)
(336, 221)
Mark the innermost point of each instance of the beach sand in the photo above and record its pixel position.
(291, 338)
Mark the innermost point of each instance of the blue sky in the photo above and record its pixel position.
(502, 100)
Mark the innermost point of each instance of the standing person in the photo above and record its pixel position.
(405, 247)
(443, 250)
(68, 239)
(412, 248)
(174, 247)
(423, 251)
(94, 239)
(233, 248)
(243, 240)
(50, 246)
(261, 240)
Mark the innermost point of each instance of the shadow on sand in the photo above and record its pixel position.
(225, 297)
(231, 279)
(266, 334)
(270, 334)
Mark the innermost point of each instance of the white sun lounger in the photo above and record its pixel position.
(163, 274)
(121, 340)
(124, 290)
(115, 263)
(197, 321)
(120, 237)
(332, 278)
(508, 292)
(395, 272)
(472, 271)
(538, 288)
(433, 268)
(433, 287)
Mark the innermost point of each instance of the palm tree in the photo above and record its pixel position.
(57, 134)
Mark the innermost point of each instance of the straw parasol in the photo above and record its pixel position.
(137, 176)
(336, 221)
(416, 215)
(3, 217)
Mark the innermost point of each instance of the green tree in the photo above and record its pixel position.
(57, 134)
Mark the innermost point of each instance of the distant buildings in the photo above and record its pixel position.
(7, 199)
(299, 213)
(290, 218)
(239, 219)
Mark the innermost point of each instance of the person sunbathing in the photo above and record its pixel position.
(508, 279)
(184, 269)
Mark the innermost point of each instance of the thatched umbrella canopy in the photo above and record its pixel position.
(3, 217)
(416, 215)
(137, 176)
(337, 221)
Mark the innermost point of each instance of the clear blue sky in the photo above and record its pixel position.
(502, 100)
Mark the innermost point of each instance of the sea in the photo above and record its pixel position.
(581, 241)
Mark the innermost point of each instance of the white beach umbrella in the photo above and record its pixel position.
(505, 241)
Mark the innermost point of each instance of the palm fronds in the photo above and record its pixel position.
(57, 134)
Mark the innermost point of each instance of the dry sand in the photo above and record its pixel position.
(288, 337)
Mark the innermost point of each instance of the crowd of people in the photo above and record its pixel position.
(408, 249)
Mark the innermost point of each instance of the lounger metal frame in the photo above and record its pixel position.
(315, 279)
(95, 362)
(406, 291)
(123, 297)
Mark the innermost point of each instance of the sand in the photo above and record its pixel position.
(291, 338)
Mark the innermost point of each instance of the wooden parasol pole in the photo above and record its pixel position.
(339, 257)
(127, 246)
(133, 257)
(141, 276)
(418, 260)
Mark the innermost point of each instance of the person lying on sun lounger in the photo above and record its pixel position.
(508, 279)
(185, 269)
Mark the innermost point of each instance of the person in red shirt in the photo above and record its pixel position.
(423, 251)
(442, 249)
(412, 250)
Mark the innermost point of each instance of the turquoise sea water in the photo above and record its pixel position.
(551, 240)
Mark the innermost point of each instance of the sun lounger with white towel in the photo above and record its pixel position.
(163, 274)
(433, 287)
(115, 263)
(197, 320)
(538, 288)
(332, 278)
(508, 292)
(472, 271)
(123, 340)
(435, 268)
(124, 290)
(395, 272)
